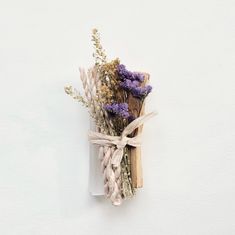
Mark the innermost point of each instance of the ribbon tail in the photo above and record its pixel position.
(137, 122)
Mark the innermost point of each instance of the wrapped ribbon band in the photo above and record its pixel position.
(121, 141)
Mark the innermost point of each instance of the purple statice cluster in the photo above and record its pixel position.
(131, 81)
(126, 74)
(117, 109)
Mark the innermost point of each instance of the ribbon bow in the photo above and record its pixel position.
(121, 141)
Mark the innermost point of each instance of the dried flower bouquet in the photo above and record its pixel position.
(115, 99)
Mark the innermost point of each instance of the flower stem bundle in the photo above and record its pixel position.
(115, 98)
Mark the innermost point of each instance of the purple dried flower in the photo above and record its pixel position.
(117, 109)
(138, 76)
(131, 118)
(135, 88)
(141, 92)
(131, 81)
(128, 85)
(126, 74)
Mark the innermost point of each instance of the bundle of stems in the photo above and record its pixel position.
(114, 97)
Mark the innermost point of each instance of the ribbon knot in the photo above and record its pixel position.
(120, 141)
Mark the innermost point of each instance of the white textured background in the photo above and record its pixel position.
(188, 47)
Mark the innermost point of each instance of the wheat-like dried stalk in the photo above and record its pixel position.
(90, 93)
(112, 175)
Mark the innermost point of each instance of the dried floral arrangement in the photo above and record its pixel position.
(115, 99)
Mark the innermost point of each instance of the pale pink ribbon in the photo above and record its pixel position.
(120, 141)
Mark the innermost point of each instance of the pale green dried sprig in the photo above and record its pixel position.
(99, 54)
(75, 94)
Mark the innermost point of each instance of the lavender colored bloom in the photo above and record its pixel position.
(126, 74)
(141, 92)
(129, 85)
(131, 118)
(139, 76)
(131, 81)
(117, 109)
(135, 88)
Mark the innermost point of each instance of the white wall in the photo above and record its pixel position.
(188, 47)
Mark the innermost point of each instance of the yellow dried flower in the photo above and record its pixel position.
(109, 81)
